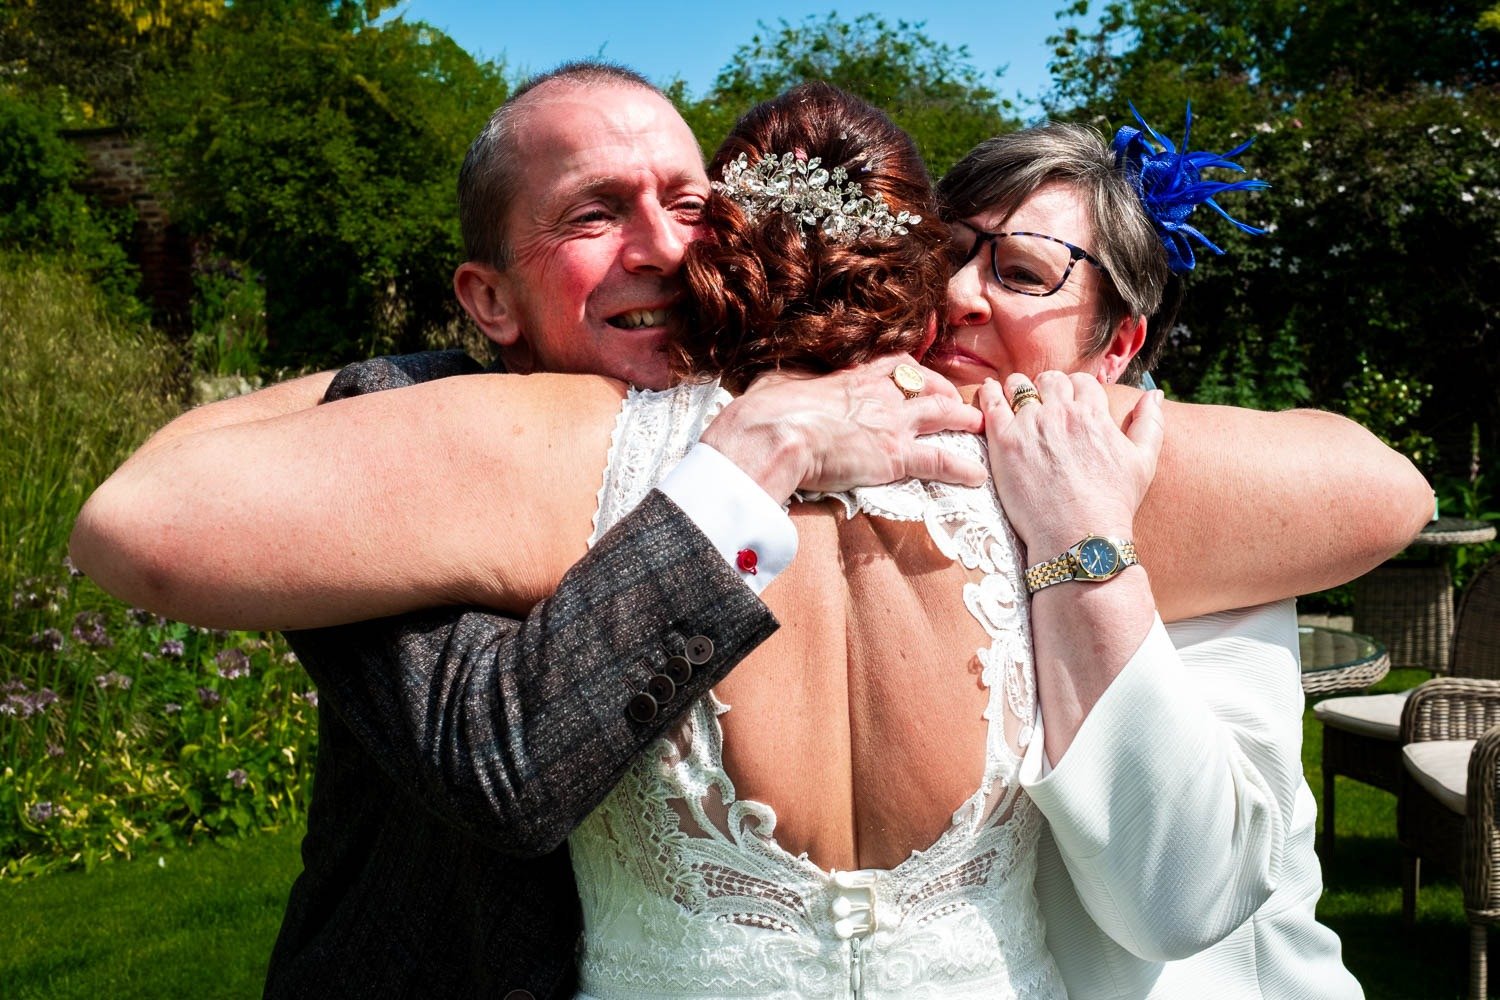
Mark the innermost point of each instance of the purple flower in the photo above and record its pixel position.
(28, 595)
(54, 750)
(140, 616)
(13, 684)
(233, 663)
(41, 812)
(113, 679)
(237, 777)
(172, 649)
(26, 705)
(50, 640)
(88, 628)
(311, 697)
(208, 697)
(67, 564)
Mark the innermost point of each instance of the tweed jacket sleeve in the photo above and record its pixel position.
(513, 730)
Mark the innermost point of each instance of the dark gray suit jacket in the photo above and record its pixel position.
(458, 748)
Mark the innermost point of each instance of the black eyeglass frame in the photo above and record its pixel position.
(1075, 254)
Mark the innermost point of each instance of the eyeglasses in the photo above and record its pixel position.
(1028, 263)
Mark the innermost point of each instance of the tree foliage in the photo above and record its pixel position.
(94, 53)
(1377, 125)
(43, 211)
(322, 148)
(930, 89)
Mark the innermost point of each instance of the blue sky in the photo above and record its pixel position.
(695, 40)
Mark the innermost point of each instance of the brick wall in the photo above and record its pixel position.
(119, 176)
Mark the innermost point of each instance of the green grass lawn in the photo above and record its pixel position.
(1362, 890)
(201, 923)
(197, 923)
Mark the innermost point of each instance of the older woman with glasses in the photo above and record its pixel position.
(1064, 251)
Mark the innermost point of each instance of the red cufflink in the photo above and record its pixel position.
(747, 560)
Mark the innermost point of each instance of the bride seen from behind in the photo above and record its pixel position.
(869, 721)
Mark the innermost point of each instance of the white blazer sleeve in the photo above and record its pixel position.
(1172, 806)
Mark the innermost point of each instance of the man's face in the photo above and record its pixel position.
(611, 189)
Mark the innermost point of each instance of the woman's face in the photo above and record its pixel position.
(994, 331)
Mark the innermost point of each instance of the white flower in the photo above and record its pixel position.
(1467, 196)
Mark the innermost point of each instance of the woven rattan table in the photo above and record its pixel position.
(1407, 604)
(1334, 660)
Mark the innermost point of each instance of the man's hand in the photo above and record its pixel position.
(851, 428)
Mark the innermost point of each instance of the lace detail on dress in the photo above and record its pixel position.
(654, 430)
(685, 891)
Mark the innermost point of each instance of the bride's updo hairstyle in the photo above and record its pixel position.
(772, 288)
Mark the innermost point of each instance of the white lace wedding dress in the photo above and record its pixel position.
(686, 893)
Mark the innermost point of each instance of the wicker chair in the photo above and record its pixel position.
(1408, 605)
(1409, 608)
(1362, 733)
(1447, 798)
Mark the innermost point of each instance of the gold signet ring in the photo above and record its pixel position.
(1025, 394)
(909, 379)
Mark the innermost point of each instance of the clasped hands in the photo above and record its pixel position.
(1063, 467)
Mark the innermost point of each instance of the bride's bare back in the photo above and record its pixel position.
(861, 722)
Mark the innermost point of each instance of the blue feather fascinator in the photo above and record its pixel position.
(1170, 184)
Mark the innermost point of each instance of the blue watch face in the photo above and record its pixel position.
(1097, 557)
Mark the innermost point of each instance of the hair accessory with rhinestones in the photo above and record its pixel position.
(815, 197)
(1171, 185)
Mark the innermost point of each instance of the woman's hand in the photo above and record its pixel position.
(1062, 468)
(850, 428)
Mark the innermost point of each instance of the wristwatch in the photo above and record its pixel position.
(1095, 559)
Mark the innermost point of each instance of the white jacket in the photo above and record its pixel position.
(1180, 857)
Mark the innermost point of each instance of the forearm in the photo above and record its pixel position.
(272, 401)
(1249, 507)
(1083, 635)
(317, 516)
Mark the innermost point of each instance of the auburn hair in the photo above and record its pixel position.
(777, 294)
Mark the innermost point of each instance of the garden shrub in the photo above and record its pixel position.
(121, 731)
(83, 386)
(41, 212)
(118, 730)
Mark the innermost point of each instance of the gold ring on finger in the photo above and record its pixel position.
(909, 379)
(1022, 396)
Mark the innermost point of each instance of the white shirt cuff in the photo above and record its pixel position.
(734, 512)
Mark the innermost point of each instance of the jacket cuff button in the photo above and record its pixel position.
(642, 708)
(661, 688)
(699, 649)
(679, 670)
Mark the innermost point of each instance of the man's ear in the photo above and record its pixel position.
(1128, 339)
(485, 294)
